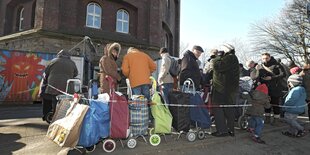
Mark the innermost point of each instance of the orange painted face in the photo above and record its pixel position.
(22, 67)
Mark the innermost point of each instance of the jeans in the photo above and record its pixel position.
(142, 90)
(166, 88)
(256, 123)
(291, 119)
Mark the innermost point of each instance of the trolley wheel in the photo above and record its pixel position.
(49, 117)
(212, 119)
(155, 140)
(201, 134)
(243, 122)
(152, 131)
(191, 136)
(131, 143)
(90, 149)
(109, 145)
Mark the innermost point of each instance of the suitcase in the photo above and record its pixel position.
(119, 113)
(139, 115)
(181, 119)
(160, 112)
(200, 113)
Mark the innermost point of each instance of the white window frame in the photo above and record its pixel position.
(21, 19)
(122, 20)
(93, 15)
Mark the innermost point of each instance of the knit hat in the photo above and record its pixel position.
(295, 70)
(295, 80)
(227, 48)
(262, 88)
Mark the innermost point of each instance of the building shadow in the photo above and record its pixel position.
(42, 127)
(9, 144)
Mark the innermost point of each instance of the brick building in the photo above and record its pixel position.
(43, 27)
(50, 25)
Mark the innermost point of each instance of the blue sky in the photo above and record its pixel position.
(209, 23)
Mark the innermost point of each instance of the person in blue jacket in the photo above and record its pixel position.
(294, 105)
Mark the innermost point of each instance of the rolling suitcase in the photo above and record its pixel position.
(119, 113)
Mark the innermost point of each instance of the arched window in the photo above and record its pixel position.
(122, 21)
(93, 17)
(20, 19)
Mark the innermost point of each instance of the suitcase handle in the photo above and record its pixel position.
(111, 83)
(75, 81)
(189, 86)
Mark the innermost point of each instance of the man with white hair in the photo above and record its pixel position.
(225, 88)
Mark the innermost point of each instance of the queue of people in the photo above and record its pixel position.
(222, 71)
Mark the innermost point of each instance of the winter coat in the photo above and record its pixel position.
(275, 85)
(259, 102)
(226, 74)
(296, 97)
(137, 66)
(225, 79)
(164, 75)
(108, 66)
(58, 71)
(190, 69)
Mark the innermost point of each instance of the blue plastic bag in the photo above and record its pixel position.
(96, 124)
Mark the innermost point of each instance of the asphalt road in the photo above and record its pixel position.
(22, 132)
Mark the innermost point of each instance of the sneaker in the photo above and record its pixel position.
(300, 133)
(258, 140)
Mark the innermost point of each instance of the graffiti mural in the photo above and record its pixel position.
(20, 74)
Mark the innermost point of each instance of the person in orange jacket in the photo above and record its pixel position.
(137, 66)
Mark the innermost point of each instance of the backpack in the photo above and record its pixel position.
(175, 68)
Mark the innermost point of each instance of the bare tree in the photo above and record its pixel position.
(286, 35)
(183, 48)
(243, 51)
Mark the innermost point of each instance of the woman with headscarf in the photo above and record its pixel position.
(108, 66)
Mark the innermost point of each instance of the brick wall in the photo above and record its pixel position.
(68, 18)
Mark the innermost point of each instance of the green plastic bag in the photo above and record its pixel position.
(160, 112)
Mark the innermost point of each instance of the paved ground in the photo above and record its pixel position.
(23, 132)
